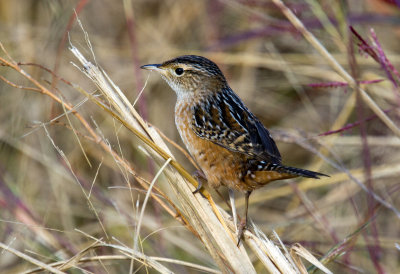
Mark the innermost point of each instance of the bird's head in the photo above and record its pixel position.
(190, 74)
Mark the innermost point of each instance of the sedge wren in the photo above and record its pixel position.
(229, 143)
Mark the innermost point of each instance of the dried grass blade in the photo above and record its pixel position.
(30, 259)
(299, 250)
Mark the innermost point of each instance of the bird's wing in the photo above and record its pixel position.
(224, 120)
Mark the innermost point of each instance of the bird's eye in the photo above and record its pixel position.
(179, 71)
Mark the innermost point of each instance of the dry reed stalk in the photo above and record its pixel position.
(124, 258)
(30, 259)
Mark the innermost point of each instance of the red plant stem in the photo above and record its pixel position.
(341, 84)
(384, 62)
(46, 69)
(364, 46)
(374, 249)
(352, 125)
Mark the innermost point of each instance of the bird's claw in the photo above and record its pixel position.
(199, 176)
(199, 186)
(242, 226)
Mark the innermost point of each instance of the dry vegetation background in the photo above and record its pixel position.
(283, 79)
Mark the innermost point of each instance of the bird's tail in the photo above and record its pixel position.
(301, 172)
(269, 172)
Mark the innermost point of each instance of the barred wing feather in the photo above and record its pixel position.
(224, 120)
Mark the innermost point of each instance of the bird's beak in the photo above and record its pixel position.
(155, 67)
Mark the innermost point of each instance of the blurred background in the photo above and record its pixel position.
(318, 122)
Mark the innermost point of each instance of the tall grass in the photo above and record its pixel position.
(88, 184)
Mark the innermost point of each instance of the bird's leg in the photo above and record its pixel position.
(243, 223)
(200, 177)
(233, 207)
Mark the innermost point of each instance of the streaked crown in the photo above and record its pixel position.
(189, 74)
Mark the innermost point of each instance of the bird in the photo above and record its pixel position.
(228, 142)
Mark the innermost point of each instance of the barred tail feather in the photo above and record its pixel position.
(291, 171)
(302, 172)
(268, 172)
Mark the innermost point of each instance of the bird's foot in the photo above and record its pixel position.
(243, 223)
